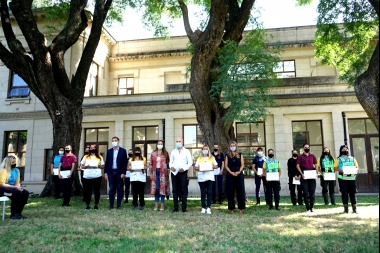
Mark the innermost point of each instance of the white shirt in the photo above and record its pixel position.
(115, 152)
(181, 160)
(206, 175)
(138, 176)
(158, 162)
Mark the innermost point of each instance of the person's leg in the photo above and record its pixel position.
(87, 190)
(331, 185)
(184, 187)
(63, 189)
(264, 180)
(312, 186)
(174, 191)
(230, 186)
(352, 192)
(269, 194)
(257, 184)
(305, 192)
(214, 190)
(135, 193)
(202, 187)
(97, 183)
(127, 185)
(299, 193)
(277, 189)
(220, 187)
(57, 187)
(292, 190)
(240, 191)
(119, 188)
(343, 188)
(209, 185)
(23, 201)
(141, 194)
(112, 188)
(16, 201)
(324, 185)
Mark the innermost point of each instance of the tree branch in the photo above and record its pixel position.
(375, 5)
(185, 14)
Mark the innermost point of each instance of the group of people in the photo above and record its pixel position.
(123, 167)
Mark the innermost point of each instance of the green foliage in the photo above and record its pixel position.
(346, 46)
(245, 76)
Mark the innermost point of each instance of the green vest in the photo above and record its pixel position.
(327, 166)
(349, 161)
(272, 166)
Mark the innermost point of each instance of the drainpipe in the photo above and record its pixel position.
(163, 130)
(344, 128)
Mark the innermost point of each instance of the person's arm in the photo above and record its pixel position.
(242, 164)
(4, 184)
(254, 166)
(59, 170)
(52, 167)
(287, 164)
(336, 165)
(264, 169)
(227, 168)
(319, 167)
(196, 166)
(171, 162)
(279, 171)
(101, 165)
(129, 167)
(72, 170)
(215, 164)
(189, 160)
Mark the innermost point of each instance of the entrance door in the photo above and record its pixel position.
(365, 149)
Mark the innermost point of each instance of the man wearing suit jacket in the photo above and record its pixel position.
(114, 171)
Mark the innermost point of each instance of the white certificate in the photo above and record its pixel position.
(295, 181)
(310, 174)
(350, 170)
(92, 173)
(329, 176)
(65, 173)
(259, 171)
(273, 176)
(137, 165)
(174, 172)
(205, 166)
(92, 163)
(55, 172)
(217, 171)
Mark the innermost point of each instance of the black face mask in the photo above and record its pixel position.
(216, 149)
(13, 166)
(306, 150)
(130, 155)
(271, 155)
(295, 155)
(345, 152)
(92, 151)
(137, 154)
(326, 153)
(67, 151)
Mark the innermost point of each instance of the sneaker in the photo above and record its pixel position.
(203, 210)
(208, 211)
(96, 208)
(278, 208)
(87, 208)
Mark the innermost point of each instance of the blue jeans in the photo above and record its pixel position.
(115, 184)
(157, 195)
(258, 185)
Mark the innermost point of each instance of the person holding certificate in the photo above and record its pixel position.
(158, 167)
(65, 172)
(272, 172)
(235, 178)
(205, 166)
(54, 172)
(347, 166)
(92, 165)
(257, 167)
(328, 180)
(127, 179)
(137, 166)
(306, 166)
(218, 173)
(294, 179)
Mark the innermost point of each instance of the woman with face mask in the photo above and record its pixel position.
(66, 166)
(325, 165)
(159, 176)
(92, 165)
(293, 173)
(54, 167)
(206, 177)
(10, 183)
(235, 178)
(347, 182)
(138, 179)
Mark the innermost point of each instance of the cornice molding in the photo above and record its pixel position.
(150, 55)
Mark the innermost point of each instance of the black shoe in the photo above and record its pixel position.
(180, 199)
(294, 204)
(175, 210)
(96, 207)
(110, 207)
(15, 217)
(167, 197)
(126, 201)
(220, 202)
(83, 200)
(278, 208)
(134, 207)
(87, 208)
(118, 207)
(184, 210)
(21, 216)
(271, 208)
(214, 201)
(312, 210)
(141, 208)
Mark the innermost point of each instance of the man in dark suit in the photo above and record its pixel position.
(114, 171)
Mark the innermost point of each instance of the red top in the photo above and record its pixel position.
(67, 161)
(307, 162)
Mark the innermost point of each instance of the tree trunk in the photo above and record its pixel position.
(367, 88)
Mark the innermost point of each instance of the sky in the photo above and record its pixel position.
(275, 14)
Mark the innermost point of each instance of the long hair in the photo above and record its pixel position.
(164, 152)
(323, 155)
(63, 150)
(96, 153)
(237, 149)
(7, 165)
(209, 153)
(340, 149)
(134, 154)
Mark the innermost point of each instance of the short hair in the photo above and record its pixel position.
(270, 150)
(115, 137)
(259, 149)
(294, 150)
(216, 144)
(306, 144)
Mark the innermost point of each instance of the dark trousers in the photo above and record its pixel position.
(258, 185)
(138, 192)
(218, 181)
(57, 187)
(328, 186)
(90, 185)
(273, 187)
(180, 183)
(127, 185)
(115, 184)
(308, 188)
(81, 179)
(19, 199)
(292, 189)
(66, 189)
(235, 184)
(206, 189)
(348, 188)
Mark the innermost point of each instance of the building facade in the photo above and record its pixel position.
(137, 90)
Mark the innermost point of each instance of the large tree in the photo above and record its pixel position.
(347, 38)
(42, 66)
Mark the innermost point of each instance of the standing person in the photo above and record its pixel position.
(235, 178)
(114, 172)
(55, 165)
(10, 183)
(258, 162)
(138, 179)
(92, 164)
(206, 178)
(86, 152)
(294, 173)
(180, 163)
(307, 161)
(127, 178)
(67, 163)
(325, 164)
(273, 187)
(158, 166)
(218, 173)
(347, 182)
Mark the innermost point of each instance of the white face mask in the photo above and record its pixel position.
(233, 148)
(205, 152)
(260, 153)
(60, 152)
(114, 144)
(160, 146)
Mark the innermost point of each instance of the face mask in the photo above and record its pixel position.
(60, 152)
(114, 144)
(13, 166)
(271, 155)
(205, 152)
(233, 149)
(326, 153)
(295, 155)
(137, 154)
(178, 145)
(92, 151)
(67, 150)
(160, 146)
(260, 153)
(216, 149)
(130, 155)
(306, 150)
(345, 152)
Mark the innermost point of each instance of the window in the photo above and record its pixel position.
(146, 138)
(361, 126)
(18, 88)
(250, 136)
(126, 86)
(308, 132)
(15, 144)
(193, 141)
(92, 81)
(286, 69)
(99, 136)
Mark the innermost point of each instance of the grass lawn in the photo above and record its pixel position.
(52, 228)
